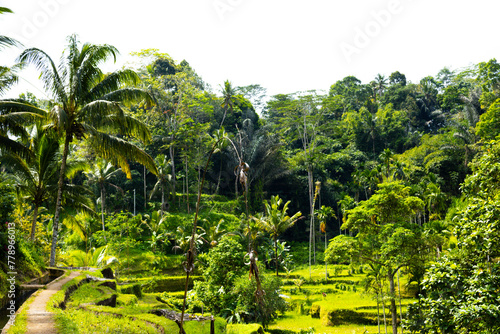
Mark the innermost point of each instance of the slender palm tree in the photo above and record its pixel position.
(101, 173)
(13, 124)
(277, 221)
(380, 84)
(164, 178)
(228, 96)
(323, 214)
(386, 157)
(36, 177)
(89, 104)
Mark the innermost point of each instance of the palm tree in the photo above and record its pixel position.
(277, 221)
(101, 173)
(380, 84)
(228, 96)
(36, 178)
(89, 104)
(214, 232)
(323, 214)
(386, 158)
(13, 124)
(163, 164)
(8, 77)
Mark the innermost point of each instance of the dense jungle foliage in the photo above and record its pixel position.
(397, 177)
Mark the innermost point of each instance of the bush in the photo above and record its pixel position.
(245, 329)
(271, 303)
(225, 263)
(168, 284)
(126, 300)
(134, 289)
(315, 310)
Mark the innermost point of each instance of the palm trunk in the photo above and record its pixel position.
(276, 255)
(400, 306)
(145, 192)
(311, 210)
(394, 311)
(172, 161)
(383, 310)
(378, 313)
(60, 185)
(223, 117)
(102, 206)
(162, 199)
(218, 179)
(33, 224)
(326, 264)
(187, 186)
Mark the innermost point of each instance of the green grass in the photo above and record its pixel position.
(243, 328)
(89, 293)
(295, 323)
(343, 292)
(73, 321)
(131, 316)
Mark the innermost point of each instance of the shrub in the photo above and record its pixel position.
(168, 284)
(126, 300)
(315, 310)
(134, 289)
(225, 262)
(245, 329)
(271, 302)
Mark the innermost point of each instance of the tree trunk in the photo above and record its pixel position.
(162, 198)
(187, 185)
(218, 179)
(172, 161)
(223, 117)
(102, 205)
(326, 264)
(33, 224)
(378, 314)
(400, 306)
(383, 309)
(145, 191)
(60, 185)
(311, 210)
(394, 311)
(276, 255)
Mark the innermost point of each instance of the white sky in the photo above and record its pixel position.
(283, 45)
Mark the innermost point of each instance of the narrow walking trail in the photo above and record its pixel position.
(41, 321)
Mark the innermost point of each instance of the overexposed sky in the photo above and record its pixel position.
(283, 45)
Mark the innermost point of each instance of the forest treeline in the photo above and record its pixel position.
(409, 169)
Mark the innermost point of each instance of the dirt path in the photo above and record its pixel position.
(41, 321)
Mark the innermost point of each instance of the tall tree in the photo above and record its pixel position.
(381, 84)
(89, 104)
(228, 99)
(278, 221)
(384, 237)
(36, 177)
(164, 178)
(101, 173)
